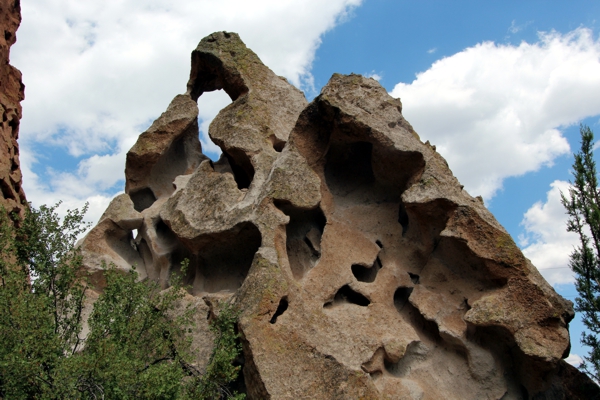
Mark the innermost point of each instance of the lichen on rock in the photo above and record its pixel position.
(361, 266)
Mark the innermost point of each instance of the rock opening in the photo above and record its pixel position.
(142, 199)
(366, 273)
(224, 259)
(281, 308)
(346, 295)
(241, 166)
(401, 296)
(303, 237)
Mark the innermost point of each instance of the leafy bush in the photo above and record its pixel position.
(220, 372)
(136, 348)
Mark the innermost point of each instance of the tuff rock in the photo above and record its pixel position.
(361, 266)
(12, 92)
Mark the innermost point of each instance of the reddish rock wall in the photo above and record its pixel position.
(12, 91)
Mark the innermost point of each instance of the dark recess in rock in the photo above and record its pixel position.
(403, 218)
(218, 267)
(303, 237)
(281, 308)
(349, 168)
(366, 274)
(243, 171)
(414, 278)
(401, 296)
(142, 199)
(346, 295)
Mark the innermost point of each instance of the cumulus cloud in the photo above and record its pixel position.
(98, 73)
(574, 359)
(546, 241)
(374, 75)
(501, 108)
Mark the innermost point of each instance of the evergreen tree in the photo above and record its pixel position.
(583, 208)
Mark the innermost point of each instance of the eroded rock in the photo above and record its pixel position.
(12, 92)
(361, 266)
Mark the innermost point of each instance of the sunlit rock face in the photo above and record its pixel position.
(12, 198)
(361, 266)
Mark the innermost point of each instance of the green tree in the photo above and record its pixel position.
(137, 346)
(583, 208)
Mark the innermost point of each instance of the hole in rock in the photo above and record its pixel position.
(349, 167)
(142, 199)
(224, 258)
(7, 35)
(281, 308)
(209, 105)
(222, 165)
(401, 297)
(14, 122)
(121, 241)
(378, 242)
(358, 173)
(414, 278)
(7, 192)
(366, 274)
(403, 218)
(243, 171)
(303, 237)
(277, 143)
(482, 274)
(346, 295)
(180, 158)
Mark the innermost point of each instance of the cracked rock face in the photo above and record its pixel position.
(361, 267)
(12, 92)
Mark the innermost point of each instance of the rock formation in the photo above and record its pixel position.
(12, 91)
(361, 266)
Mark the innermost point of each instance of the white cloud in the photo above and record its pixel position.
(546, 241)
(514, 28)
(432, 50)
(97, 73)
(574, 359)
(374, 75)
(501, 107)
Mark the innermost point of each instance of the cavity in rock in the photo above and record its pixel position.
(401, 297)
(243, 171)
(366, 274)
(281, 308)
(347, 295)
(142, 199)
(303, 232)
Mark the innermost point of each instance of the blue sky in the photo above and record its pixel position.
(500, 88)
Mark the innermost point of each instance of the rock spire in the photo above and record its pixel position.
(361, 266)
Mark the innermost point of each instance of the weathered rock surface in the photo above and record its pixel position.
(362, 268)
(12, 91)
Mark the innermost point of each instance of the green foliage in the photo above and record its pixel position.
(221, 370)
(583, 208)
(136, 346)
(39, 319)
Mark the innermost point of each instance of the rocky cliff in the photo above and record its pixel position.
(361, 266)
(12, 92)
